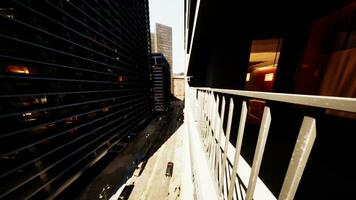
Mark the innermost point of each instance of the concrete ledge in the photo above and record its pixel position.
(204, 185)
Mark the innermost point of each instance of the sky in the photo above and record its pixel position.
(170, 13)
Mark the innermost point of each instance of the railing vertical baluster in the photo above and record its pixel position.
(239, 138)
(198, 105)
(216, 130)
(220, 130)
(301, 152)
(203, 114)
(201, 103)
(213, 133)
(206, 116)
(227, 138)
(210, 121)
(196, 97)
(257, 159)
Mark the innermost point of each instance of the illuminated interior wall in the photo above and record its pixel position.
(264, 57)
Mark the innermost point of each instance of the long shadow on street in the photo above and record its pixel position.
(113, 170)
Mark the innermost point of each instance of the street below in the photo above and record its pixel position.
(156, 144)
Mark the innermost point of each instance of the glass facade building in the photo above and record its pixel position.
(74, 79)
(160, 82)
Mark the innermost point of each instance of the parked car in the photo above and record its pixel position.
(169, 169)
(140, 168)
(126, 192)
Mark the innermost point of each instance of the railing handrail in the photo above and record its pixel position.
(330, 102)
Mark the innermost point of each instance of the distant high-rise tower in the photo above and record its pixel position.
(161, 42)
(153, 43)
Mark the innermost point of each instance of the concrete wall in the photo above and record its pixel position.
(178, 87)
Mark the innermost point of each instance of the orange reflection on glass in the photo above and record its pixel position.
(19, 69)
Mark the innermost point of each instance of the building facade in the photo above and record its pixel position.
(280, 57)
(154, 42)
(162, 43)
(74, 79)
(160, 82)
(178, 86)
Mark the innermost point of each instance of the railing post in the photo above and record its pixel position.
(239, 138)
(257, 159)
(227, 140)
(221, 130)
(301, 152)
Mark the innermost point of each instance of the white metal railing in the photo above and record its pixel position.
(221, 154)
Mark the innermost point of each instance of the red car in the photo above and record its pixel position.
(169, 170)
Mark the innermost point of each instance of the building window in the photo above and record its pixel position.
(262, 67)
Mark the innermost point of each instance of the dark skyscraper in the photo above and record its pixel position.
(161, 82)
(74, 79)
